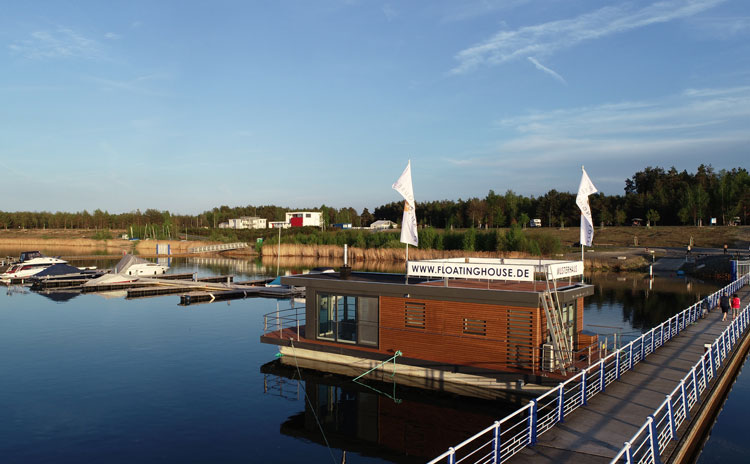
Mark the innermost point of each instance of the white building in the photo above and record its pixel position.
(305, 218)
(381, 224)
(245, 222)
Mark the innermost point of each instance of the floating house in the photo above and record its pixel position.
(506, 324)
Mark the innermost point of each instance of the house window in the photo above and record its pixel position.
(475, 327)
(348, 319)
(308, 215)
(414, 315)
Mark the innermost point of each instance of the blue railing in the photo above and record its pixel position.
(660, 427)
(506, 437)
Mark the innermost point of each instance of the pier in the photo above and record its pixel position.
(646, 402)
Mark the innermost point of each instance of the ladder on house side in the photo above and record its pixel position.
(557, 326)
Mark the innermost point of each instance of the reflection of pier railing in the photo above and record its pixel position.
(219, 247)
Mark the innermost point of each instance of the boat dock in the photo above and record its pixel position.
(194, 290)
(652, 401)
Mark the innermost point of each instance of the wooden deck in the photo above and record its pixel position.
(596, 433)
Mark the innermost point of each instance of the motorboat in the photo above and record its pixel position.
(29, 264)
(129, 269)
(61, 272)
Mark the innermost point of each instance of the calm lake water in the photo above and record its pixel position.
(92, 379)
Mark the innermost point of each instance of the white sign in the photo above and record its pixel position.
(517, 272)
(573, 268)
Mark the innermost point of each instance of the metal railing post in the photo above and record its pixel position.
(643, 347)
(602, 383)
(497, 456)
(630, 358)
(452, 455)
(670, 415)
(711, 361)
(661, 335)
(628, 453)
(532, 423)
(703, 371)
(617, 364)
(583, 386)
(652, 340)
(561, 403)
(653, 439)
(683, 393)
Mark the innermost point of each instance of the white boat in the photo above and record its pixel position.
(129, 269)
(30, 263)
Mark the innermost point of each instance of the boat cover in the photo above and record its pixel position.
(58, 270)
(127, 261)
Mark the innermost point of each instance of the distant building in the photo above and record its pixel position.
(381, 224)
(305, 218)
(245, 222)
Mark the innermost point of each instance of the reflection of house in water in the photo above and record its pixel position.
(490, 324)
(355, 417)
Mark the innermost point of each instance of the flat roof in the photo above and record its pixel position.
(467, 290)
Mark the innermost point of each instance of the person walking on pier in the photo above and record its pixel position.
(724, 305)
(735, 306)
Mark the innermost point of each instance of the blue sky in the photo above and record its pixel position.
(186, 105)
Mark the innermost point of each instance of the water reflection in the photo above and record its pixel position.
(388, 421)
(630, 304)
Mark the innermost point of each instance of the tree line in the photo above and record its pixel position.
(654, 195)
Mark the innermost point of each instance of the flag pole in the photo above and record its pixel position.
(406, 265)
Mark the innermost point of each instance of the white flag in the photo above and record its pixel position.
(582, 200)
(409, 222)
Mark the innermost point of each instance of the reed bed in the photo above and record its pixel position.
(370, 255)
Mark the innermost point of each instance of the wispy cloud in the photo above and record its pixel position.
(700, 123)
(137, 85)
(112, 36)
(466, 10)
(389, 12)
(545, 69)
(546, 38)
(57, 44)
(724, 27)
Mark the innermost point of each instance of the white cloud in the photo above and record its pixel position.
(546, 38)
(60, 43)
(547, 70)
(701, 124)
(465, 10)
(724, 27)
(389, 12)
(112, 36)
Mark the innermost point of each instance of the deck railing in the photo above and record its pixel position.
(292, 319)
(506, 437)
(660, 427)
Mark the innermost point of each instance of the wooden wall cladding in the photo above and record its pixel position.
(511, 333)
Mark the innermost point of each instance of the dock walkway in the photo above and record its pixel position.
(597, 432)
(634, 405)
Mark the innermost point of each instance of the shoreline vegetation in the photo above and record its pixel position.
(615, 248)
